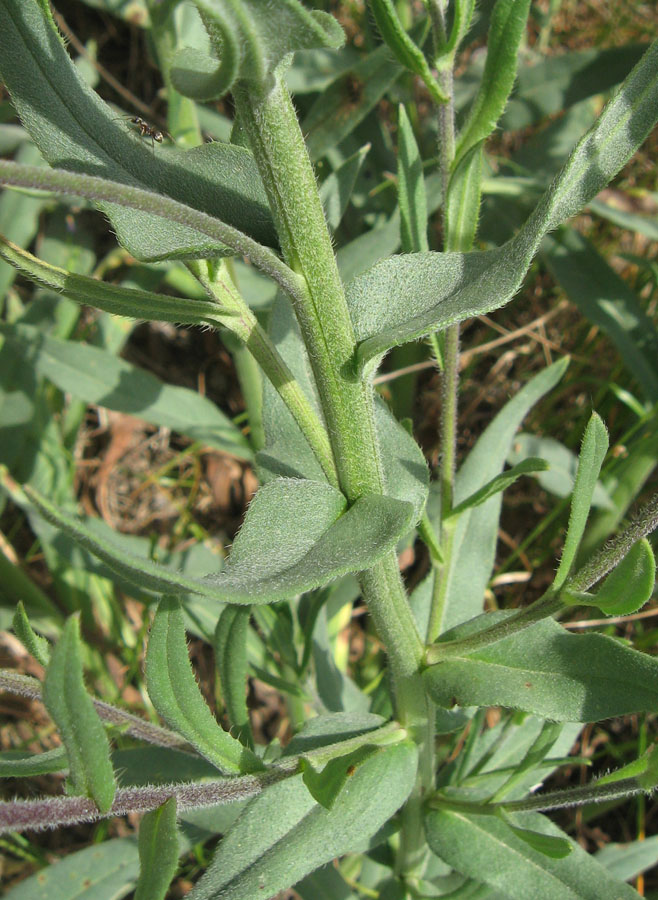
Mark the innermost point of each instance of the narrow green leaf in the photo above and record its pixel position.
(537, 752)
(98, 872)
(405, 297)
(112, 298)
(485, 848)
(592, 454)
(411, 189)
(507, 29)
(476, 529)
(231, 659)
(551, 673)
(500, 483)
(462, 207)
(284, 834)
(158, 852)
(628, 587)
(175, 694)
(296, 537)
(19, 764)
(72, 711)
(407, 53)
(33, 643)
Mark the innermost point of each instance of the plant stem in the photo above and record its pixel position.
(276, 140)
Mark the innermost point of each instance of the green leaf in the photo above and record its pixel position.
(19, 764)
(462, 207)
(592, 454)
(606, 300)
(112, 298)
(284, 834)
(250, 40)
(231, 658)
(175, 694)
(407, 53)
(296, 537)
(486, 849)
(405, 297)
(628, 587)
(507, 29)
(476, 529)
(97, 376)
(559, 477)
(411, 189)
(95, 873)
(547, 671)
(500, 483)
(158, 852)
(75, 129)
(72, 711)
(33, 643)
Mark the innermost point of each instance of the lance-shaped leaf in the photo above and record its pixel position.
(407, 53)
(175, 694)
(297, 535)
(411, 189)
(508, 25)
(158, 852)
(76, 130)
(284, 834)
(249, 39)
(551, 673)
(405, 297)
(231, 659)
(485, 848)
(112, 298)
(19, 764)
(592, 454)
(72, 711)
(33, 643)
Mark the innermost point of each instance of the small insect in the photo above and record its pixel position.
(146, 130)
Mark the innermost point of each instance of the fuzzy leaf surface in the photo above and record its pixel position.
(176, 696)
(592, 454)
(95, 873)
(231, 659)
(158, 852)
(72, 710)
(284, 834)
(487, 849)
(549, 672)
(297, 535)
(405, 297)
